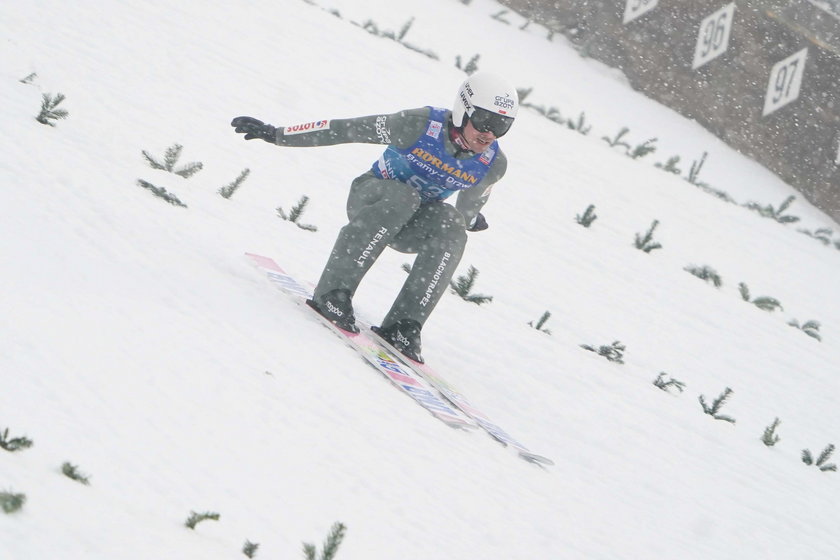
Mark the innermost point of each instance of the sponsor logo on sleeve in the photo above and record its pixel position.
(382, 130)
(434, 129)
(306, 127)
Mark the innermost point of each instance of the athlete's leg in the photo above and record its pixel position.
(437, 234)
(377, 210)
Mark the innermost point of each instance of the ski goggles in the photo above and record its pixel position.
(488, 121)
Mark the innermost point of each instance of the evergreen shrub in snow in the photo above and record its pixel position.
(331, 544)
(811, 328)
(714, 408)
(196, 518)
(72, 472)
(170, 160)
(249, 549)
(769, 437)
(820, 462)
(49, 111)
(706, 273)
(228, 190)
(540, 325)
(645, 242)
(161, 192)
(15, 443)
(614, 352)
(11, 501)
(463, 285)
(766, 303)
(295, 214)
(587, 217)
(666, 384)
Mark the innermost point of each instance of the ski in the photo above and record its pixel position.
(383, 360)
(420, 381)
(463, 404)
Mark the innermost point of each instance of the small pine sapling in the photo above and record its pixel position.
(823, 235)
(579, 125)
(228, 190)
(404, 30)
(775, 213)
(587, 217)
(295, 214)
(373, 29)
(501, 17)
(665, 384)
(15, 443)
(553, 114)
(670, 166)
(11, 501)
(617, 140)
(766, 303)
(249, 549)
(331, 544)
(643, 149)
(706, 273)
(808, 459)
(540, 325)
(72, 472)
(769, 437)
(29, 79)
(811, 328)
(471, 67)
(161, 192)
(170, 160)
(694, 172)
(49, 111)
(645, 242)
(196, 518)
(463, 285)
(713, 409)
(613, 353)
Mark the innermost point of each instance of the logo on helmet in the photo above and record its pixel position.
(466, 101)
(504, 102)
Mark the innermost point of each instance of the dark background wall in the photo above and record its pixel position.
(799, 141)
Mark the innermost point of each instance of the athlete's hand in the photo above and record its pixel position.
(253, 128)
(479, 223)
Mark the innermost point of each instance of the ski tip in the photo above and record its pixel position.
(536, 459)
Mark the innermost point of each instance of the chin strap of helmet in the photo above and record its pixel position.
(456, 135)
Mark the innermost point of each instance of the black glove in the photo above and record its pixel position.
(253, 128)
(478, 223)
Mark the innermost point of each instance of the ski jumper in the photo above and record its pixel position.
(399, 202)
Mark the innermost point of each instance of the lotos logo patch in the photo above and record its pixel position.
(306, 127)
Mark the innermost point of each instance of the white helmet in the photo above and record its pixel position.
(488, 101)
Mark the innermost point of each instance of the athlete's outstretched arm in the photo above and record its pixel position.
(398, 129)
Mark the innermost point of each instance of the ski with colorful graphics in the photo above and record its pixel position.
(420, 381)
(408, 381)
(459, 400)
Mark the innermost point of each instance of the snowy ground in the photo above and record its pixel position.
(138, 344)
